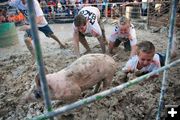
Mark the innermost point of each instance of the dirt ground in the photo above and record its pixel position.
(138, 102)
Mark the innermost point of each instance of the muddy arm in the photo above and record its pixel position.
(76, 43)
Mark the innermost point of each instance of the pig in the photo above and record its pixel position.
(68, 83)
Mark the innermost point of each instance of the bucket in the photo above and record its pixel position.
(132, 12)
(8, 34)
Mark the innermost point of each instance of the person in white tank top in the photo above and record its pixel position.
(41, 22)
(88, 23)
(145, 61)
(125, 33)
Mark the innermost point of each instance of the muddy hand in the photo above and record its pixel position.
(87, 51)
(64, 46)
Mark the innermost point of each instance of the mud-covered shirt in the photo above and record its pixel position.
(116, 34)
(24, 10)
(92, 14)
(132, 63)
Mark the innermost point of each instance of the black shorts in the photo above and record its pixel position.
(126, 41)
(46, 30)
(162, 58)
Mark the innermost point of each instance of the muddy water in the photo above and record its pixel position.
(136, 103)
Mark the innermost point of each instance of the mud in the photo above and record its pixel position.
(138, 102)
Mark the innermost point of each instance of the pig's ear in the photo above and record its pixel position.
(46, 70)
(37, 81)
(37, 78)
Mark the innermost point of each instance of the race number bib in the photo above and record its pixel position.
(89, 15)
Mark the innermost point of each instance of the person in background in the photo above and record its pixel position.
(88, 23)
(146, 60)
(3, 16)
(41, 22)
(124, 33)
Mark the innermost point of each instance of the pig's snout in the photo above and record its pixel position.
(35, 95)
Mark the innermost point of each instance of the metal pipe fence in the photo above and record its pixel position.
(39, 58)
(168, 52)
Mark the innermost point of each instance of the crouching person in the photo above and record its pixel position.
(124, 33)
(146, 60)
(67, 84)
(88, 23)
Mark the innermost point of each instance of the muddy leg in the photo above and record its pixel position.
(28, 42)
(103, 32)
(107, 82)
(101, 41)
(111, 47)
(57, 40)
(96, 89)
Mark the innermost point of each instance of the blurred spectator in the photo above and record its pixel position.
(104, 3)
(99, 4)
(144, 8)
(92, 3)
(51, 6)
(79, 4)
(2, 16)
(44, 6)
(115, 11)
(59, 7)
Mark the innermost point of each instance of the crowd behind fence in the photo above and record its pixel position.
(154, 13)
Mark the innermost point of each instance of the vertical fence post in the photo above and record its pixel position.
(39, 59)
(106, 10)
(165, 73)
(148, 14)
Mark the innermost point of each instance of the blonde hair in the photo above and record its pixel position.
(124, 20)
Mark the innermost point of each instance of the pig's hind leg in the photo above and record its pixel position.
(97, 86)
(95, 90)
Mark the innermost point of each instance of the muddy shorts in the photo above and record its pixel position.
(162, 58)
(126, 41)
(46, 30)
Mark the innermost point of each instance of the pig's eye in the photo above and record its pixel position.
(37, 94)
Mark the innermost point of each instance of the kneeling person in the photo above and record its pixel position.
(87, 23)
(125, 33)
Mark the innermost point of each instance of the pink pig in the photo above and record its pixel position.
(84, 73)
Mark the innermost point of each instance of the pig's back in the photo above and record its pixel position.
(89, 69)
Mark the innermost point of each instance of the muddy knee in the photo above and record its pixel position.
(28, 42)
